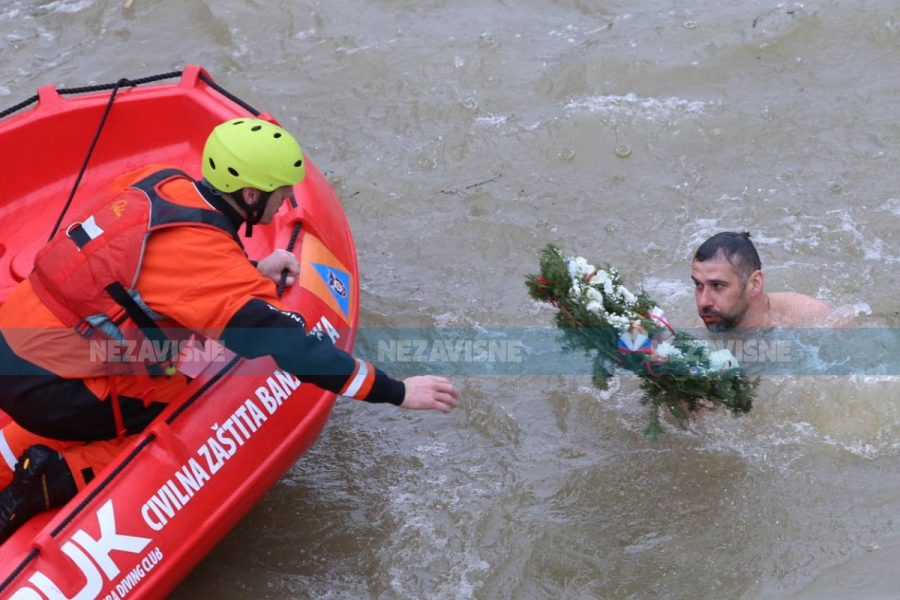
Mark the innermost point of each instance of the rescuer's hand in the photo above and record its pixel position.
(429, 392)
(272, 266)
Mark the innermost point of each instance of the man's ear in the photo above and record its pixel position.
(251, 195)
(756, 283)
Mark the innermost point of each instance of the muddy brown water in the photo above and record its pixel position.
(463, 136)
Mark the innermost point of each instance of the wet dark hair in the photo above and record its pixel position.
(734, 247)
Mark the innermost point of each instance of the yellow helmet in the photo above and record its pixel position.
(249, 152)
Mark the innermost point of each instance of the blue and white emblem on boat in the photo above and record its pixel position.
(338, 283)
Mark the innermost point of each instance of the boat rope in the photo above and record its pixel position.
(90, 151)
(89, 88)
(290, 248)
(115, 88)
(90, 497)
(19, 106)
(110, 86)
(12, 576)
(209, 81)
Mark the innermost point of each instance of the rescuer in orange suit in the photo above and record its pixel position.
(72, 413)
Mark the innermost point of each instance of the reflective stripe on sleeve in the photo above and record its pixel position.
(361, 381)
(8, 457)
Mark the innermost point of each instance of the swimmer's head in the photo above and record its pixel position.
(727, 275)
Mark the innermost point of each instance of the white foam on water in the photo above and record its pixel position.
(647, 541)
(306, 33)
(856, 414)
(420, 543)
(68, 6)
(451, 319)
(491, 119)
(763, 240)
(565, 32)
(875, 250)
(857, 309)
(668, 292)
(633, 106)
(433, 449)
(839, 235)
(623, 399)
(702, 229)
(873, 247)
(611, 393)
(892, 205)
(243, 47)
(758, 440)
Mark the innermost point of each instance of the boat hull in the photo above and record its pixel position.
(151, 516)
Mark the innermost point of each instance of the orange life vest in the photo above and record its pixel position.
(86, 275)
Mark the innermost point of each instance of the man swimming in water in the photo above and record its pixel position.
(729, 289)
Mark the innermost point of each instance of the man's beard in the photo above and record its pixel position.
(726, 321)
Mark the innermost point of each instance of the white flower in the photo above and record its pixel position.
(619, 322)
(722, 360)
(667, 349)
(579, 268)
(593, 295)
(600, 278)
(595, 306)
(629, 298)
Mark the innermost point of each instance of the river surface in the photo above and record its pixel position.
(464, 135)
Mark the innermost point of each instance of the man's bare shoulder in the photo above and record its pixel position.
(791, 309)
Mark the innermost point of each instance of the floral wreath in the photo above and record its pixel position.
(626, 332)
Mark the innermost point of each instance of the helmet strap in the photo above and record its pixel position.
(255, 211)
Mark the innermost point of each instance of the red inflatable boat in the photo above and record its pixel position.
(151, 516)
